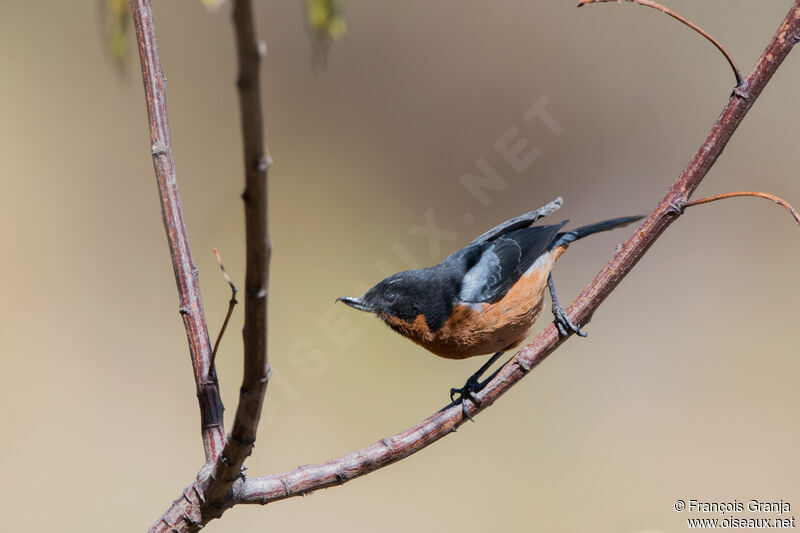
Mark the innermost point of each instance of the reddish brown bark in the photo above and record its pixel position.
(191, 303)
(259, 249)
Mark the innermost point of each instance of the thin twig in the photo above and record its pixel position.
(685, 21)
(231, 304)
(259, 247)
(776, 199)
(392, 449)
(191, 303)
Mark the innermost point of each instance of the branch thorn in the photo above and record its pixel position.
(739, 93)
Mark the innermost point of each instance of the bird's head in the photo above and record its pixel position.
(398, 296)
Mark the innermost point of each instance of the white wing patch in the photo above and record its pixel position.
(486, 275)
(485, 271)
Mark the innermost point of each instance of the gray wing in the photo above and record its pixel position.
(503, 262)
(522, 221)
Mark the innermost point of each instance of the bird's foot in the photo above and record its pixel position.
(467, 392)
(564, 324)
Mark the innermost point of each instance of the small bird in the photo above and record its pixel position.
(485, 297)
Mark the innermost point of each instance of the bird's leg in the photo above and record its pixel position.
(563, 323)
(472, 386)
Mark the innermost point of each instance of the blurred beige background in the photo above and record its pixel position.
(685, 387)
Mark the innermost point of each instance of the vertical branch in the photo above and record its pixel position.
(191, 303)
(257, 370)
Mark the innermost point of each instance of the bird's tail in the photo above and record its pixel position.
(563, 239)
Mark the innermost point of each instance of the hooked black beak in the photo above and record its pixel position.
(356, 303)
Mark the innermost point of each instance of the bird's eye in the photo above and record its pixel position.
(391, 297)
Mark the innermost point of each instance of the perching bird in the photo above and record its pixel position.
(485, 297)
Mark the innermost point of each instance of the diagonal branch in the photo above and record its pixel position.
(191, 511)
(392, 449)
(259, 247)
(191, 304)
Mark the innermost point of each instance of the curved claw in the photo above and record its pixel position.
(564, 324)
(467, 392)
